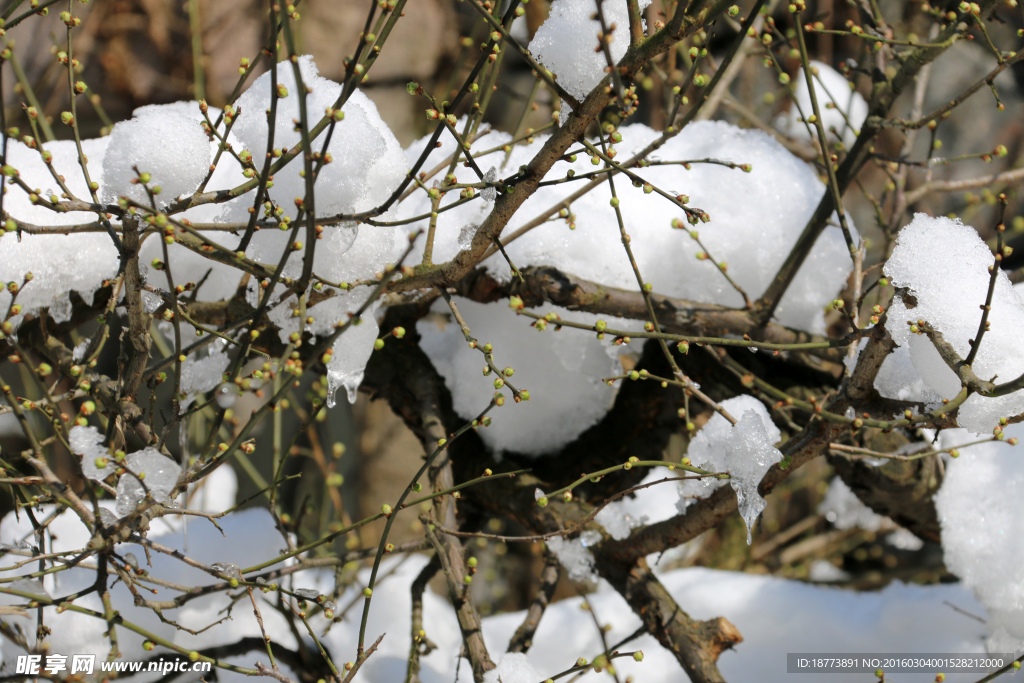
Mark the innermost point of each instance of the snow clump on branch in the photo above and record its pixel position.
(944, 267)
(750, 239)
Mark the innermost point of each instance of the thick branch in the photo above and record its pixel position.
(416, 392)
(696, 645)
(542, 284)
(137, 349)
(522, 640)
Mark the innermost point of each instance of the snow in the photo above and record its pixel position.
(749, 454)
(351, 350)
(514, 667)
(350, 354)
(562, 370)
(898, 379)
(565, 43)
(366, 254)
(903, 539)
(744, 450)
(941, 263)
(202, 371)
(189, 108)
(575, 555)
(216, 492)
(843, 508)
(983, 530)
(944, 265)
(158, 472)
(617, 524)
(368, 161)
(647, 506)
(188, 266)
(88, 443)
(59, 263)
(169, 145)
(450, 223)
(168, 142)
(185, 265)
(823, 571)
(842, 121)
(83, 635)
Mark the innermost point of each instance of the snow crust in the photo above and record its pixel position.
(744, 450)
